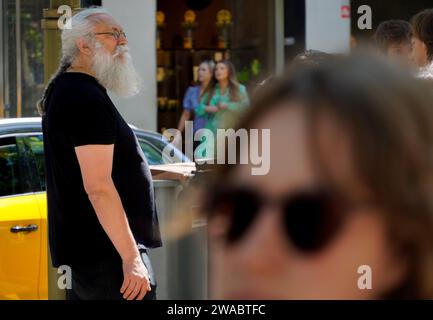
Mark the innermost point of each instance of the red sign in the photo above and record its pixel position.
(345, 12)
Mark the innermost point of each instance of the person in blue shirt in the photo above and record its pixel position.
(193, 95)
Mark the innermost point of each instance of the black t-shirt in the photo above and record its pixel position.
(78, 111)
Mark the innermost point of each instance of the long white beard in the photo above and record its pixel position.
(116, 72)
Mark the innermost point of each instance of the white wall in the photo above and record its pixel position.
(138, 20)
(325, 29)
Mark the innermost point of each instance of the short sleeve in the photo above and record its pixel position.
(189, 102)
(91, 121)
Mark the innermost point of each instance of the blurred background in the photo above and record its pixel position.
(169, 40)
(168, 49)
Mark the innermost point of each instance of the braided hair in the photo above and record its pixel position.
(64, 66)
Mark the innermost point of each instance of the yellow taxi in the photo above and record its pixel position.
(23, 213)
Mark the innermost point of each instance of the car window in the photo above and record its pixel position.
(13, 177)
(160, 144)
(153, 155)
(32, 147)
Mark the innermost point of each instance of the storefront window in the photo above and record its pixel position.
(382, 11)
(189, 32)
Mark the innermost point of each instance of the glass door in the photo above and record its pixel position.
(21, 57)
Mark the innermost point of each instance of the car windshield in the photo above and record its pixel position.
(153, 156)
(156, 142)
(151, 144)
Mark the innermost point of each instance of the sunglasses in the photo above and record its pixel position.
(310, 218)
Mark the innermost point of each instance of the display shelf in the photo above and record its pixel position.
(175, 73)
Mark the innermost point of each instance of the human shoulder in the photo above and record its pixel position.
(193, 89)
(80, 89)
(78, 83)
(242, 88)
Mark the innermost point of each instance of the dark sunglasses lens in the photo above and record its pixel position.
(241, 206)
(311, 220)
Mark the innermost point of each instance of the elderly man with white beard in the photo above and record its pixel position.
(101, 208)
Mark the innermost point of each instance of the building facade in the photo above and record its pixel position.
(258, 36)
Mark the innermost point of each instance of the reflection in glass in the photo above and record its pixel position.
(22, 56)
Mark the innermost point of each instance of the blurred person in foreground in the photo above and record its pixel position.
(393, 38)
(101, 207)
(422, 55)
(306, 59)
(310, 59)
(350, 185)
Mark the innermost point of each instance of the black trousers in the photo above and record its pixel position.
(104, 280)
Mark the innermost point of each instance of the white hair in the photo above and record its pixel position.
(82, 24)
(116, 72)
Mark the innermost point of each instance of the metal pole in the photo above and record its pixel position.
(2, 77)
(52, 52)
(52, 44)
(19, 58)
(279, 37)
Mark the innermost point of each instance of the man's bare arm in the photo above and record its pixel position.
(96, 162)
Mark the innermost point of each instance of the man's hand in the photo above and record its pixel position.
(212, 109)
(136, 279)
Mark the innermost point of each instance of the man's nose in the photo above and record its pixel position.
(122, 40)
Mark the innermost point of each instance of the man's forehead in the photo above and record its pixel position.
(105, 22)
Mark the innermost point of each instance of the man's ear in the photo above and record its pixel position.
(83, 46)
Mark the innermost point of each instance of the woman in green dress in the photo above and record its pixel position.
(222, 103)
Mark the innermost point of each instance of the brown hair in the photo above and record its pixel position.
(233, 82)
(389, 120)
(422, 24)
(211, 85)
(392, 32)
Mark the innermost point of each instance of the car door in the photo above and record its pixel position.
(32, 148)
(20, 222)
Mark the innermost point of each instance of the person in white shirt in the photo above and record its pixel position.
(422, 40)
